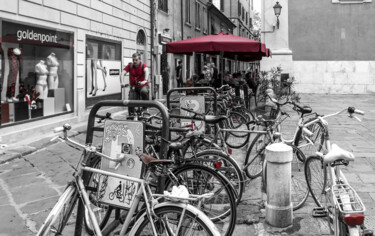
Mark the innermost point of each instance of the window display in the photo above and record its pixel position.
(103, 69)
(36, 78)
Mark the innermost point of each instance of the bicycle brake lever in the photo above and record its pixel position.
(351, 116)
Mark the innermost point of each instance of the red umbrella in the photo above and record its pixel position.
(231, 46)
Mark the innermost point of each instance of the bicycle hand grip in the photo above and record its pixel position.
(58, 129)
(359, 112)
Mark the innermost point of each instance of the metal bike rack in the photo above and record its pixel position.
(131, 103)
(191, 88)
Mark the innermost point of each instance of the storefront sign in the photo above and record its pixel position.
(163, 39)
(24, 34)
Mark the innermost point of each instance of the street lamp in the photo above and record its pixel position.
(277, 9)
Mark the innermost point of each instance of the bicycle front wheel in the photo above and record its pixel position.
(175, 219)
(319, 183)
(310, 145)
(58, 217)
(255, 155)
(236, 138)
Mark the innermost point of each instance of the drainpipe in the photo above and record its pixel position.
(152, 48)
(182, 20)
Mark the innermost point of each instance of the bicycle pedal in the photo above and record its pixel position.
(319, 212)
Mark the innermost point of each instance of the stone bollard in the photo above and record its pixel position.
(279, 207)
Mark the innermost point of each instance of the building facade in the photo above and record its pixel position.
(184, 19)
(58, 58)
(325, 45)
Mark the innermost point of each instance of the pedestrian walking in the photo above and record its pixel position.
(180, 82)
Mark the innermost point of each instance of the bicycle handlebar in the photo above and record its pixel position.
(91, 149)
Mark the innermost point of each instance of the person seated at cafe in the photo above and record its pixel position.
(191, 83)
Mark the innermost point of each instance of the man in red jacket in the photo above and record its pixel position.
(138, 74)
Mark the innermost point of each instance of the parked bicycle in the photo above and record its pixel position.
(330, 189)
(173, 215)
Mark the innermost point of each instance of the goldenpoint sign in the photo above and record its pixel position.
(30, 35)
(26, 34)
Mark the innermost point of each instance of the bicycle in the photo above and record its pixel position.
(330, 189)
(156, 218)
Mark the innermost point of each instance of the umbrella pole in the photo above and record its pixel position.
(222, 66)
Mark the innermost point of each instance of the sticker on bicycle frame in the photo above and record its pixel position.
(117, 192)
(121, 137)
(195, 103)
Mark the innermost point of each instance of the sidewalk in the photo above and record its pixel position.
(33, 175)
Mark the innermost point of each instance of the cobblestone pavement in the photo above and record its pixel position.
(33, 175)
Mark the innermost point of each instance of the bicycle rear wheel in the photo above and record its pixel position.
(172, 217)
(225, 164)
(221, 208)
(255, 155)
(58, 217)
(319, 183)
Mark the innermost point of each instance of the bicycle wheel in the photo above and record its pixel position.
(101, 211)
(171, 217)
(299, 189)
(197, 146)
(255, 155)
(310, 145)
(237, 139)
(221, 207)
(60, 213)
(319, 183)
(245, 112)
(225, 164)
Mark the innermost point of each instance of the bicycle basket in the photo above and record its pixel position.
(347, 199)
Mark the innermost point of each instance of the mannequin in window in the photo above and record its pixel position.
(14, 57)
(53, 66)
(95, 66)
(41, 82)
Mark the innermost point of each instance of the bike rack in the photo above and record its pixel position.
(191, 88)
(131, 103)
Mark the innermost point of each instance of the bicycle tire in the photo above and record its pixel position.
(236, 139)
(58, 217)
(255, 156)
(102, 213)
(193, 219)
(246, 113)
(310, 145)
(318, 182)
(299, 189)
(221, 208)
(201, 145)
(226, 165)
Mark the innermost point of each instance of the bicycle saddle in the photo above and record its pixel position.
(146, 159)
(214, 119)
(304, 109)
(338, 153)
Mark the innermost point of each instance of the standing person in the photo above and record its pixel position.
(180, 83)
(216, 83)
(138, 74)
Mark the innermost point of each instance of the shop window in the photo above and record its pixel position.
(103, 69)
(36, 78)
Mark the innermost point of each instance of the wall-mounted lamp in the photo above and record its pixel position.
(277, 9)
